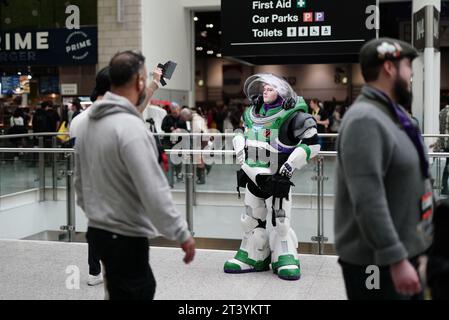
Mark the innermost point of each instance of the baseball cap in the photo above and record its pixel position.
(377, 51)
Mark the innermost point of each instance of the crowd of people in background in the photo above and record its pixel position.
(164, 118)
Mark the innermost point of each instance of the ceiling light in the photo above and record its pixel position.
(219, 55)
(210, 52)
(211, 26)
(204, 34)
(195, 19)
(199, 48)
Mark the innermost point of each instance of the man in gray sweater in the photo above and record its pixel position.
(121, 187)
(383, 202)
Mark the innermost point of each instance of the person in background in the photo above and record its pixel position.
(437, 270)
(337, 118)
(442, 145)
(41, 123)
(220, 116)
(155, 113)
(17, 126)
(171, 124)
(54, 120)
(198, 125)
(76, 107)
(321, 118)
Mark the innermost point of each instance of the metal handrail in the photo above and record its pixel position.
(182, 134)
(36, 150)
(320, 238)
(32, 135)
(180, 151)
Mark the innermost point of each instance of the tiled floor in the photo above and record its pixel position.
(40, 270)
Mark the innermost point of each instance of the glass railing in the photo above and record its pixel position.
(35, 185)
(37, 198)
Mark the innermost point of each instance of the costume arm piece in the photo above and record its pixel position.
(239, 147)
(304, 130)
(239, 143)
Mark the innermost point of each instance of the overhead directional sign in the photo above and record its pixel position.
(296, 27)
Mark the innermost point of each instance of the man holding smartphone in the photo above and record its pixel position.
(121, 187)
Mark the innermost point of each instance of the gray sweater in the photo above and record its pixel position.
(379, 186)
(118, 181)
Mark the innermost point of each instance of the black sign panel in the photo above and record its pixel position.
(49, 85)
(419, 30)
(296, 27)
(49, 47)
(426, 29)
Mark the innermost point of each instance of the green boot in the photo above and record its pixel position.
(242, 264)
(287, 268)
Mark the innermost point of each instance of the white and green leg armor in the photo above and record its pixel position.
(254, 253)
(283, 242)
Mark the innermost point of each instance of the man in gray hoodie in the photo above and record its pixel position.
(121, 187)
(383, 201)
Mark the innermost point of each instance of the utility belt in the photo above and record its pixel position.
(275, 186)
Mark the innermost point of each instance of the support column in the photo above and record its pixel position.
(427, 71)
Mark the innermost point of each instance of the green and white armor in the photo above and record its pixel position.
(277, 140)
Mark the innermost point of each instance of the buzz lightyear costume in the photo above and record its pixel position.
(283, 131)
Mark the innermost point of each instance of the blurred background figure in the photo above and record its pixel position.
(155, 113)
(171, 124)
(198, 125)
(321, 118)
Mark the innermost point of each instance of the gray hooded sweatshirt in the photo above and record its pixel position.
(118, 181)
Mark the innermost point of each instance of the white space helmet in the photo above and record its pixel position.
(254, 86)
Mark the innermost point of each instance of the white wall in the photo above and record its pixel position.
(313, 81)
(113, 36)
(170, 36)
(166, 35)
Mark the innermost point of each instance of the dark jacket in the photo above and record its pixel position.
(379, 186)
(438, 265)
(168, 123)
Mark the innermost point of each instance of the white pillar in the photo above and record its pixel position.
(426, 81)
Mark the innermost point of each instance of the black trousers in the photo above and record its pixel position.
(355, 281)
(128, 275)
(94, 261)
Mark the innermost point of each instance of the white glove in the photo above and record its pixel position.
(239, 147)
(286, 170)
